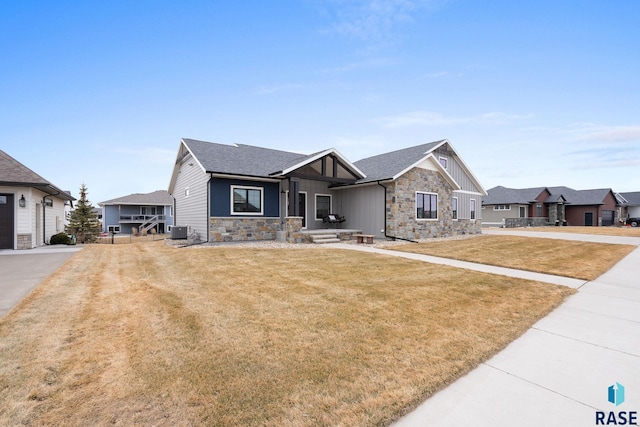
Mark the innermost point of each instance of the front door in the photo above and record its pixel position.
(588, 219)
(7, 210)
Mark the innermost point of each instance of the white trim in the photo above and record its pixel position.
(243, 177)
(446, 162)
(438, 166)
(457, 210)
(506, 207)
(321, 155)
(315, 205)
(415, 206)
(473, 193)
(246, 187)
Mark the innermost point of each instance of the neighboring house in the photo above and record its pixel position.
(31, 208)
(513, 207)
(630, 205)
(138, 213)
(241, 192)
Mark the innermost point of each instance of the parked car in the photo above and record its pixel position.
(634, 222)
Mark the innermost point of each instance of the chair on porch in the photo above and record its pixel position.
(333, 219)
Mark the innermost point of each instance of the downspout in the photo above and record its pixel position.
(385, 219)
(44, 220)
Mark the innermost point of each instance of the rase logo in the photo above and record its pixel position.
(615, 396)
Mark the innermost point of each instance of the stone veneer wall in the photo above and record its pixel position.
(234, 229)
(24, 241)
(293, 229)
(401, 213)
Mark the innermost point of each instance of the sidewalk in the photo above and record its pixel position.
(557, 373)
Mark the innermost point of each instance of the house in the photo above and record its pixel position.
(138, 213)
(32, 209)
(513, 207)
(629, 205)
(242, 192)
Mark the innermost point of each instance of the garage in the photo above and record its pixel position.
(7, 222)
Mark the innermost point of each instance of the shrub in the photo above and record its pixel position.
(60, 239)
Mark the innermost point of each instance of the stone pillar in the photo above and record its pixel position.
(293, 229)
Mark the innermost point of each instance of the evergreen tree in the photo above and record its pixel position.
(83, 221)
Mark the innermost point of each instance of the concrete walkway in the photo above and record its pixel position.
(557, 373)
(22, 271)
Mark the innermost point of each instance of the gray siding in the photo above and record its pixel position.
(363, 208)
(464, 205)
(191, 210)
(456, 170)
(492, 216)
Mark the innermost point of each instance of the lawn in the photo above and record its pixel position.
(607, 231)
(581, 260)
(144, 334)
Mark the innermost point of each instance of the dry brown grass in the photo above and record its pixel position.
(581, 260)
(144, 334)
(606, 231)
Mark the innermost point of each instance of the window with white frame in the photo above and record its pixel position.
(186, 192)
(426, 205)
(323, 206)
(473, 208)
(443, 162)
(246, 200)
(113, 229)
(502, 208)
(454, 207)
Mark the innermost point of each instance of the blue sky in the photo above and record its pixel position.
(531, 93)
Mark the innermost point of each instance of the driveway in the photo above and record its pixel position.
(23, 271)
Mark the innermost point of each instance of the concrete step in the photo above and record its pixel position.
(326, 240)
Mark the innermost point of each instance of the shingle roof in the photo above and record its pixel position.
(240, 159)
(581, 197)
(506, 196)
(633, 198)
(156, 198)
(14, 173)
(388, 165)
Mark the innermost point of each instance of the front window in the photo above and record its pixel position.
(426, 206)
(323, 206)
(246, 200)
(473, 208)
(454, 207)
(443, 162)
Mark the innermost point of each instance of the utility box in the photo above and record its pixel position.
(178, 233)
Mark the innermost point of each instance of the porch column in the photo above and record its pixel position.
(294, 197)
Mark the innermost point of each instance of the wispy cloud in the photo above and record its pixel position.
(609, 133)
(430, 118)
(371, 20)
